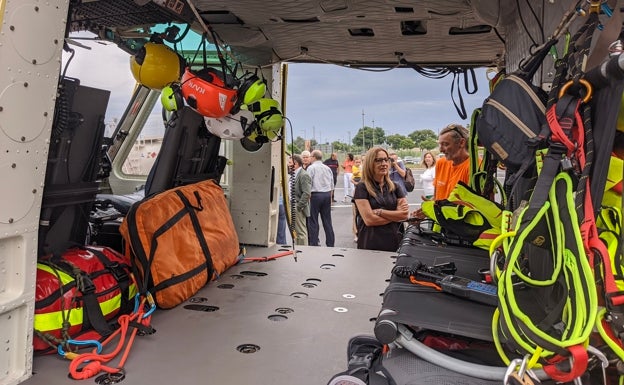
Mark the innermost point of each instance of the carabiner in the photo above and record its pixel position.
(588, 88)
(151, 303)
(516, 362)
(96, 343)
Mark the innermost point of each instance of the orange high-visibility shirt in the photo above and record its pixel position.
(447, 175)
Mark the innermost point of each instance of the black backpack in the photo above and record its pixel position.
(512, 123)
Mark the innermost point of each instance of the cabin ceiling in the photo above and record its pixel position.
(351, 32)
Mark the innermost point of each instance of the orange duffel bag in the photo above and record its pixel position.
(179, 240)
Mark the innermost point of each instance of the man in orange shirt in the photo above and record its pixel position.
(454, 166)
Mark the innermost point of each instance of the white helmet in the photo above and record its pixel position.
(231, 126)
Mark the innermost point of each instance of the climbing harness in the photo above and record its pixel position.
(547, 283)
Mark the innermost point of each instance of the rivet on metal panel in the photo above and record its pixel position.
(341, 309)
(25, 84)
(34, 191)
(10, 220)
(12, 28)
(13, 165)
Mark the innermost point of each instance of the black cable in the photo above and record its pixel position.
(500, 37)
(407, 271)
(293, 209)
(537, 20)
(526, 29)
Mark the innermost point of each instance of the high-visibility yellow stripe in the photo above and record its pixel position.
(65, 278)
(54, 320)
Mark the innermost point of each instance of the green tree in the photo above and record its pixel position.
(419, 136)
(407, 144)
(428, 144)
(292, 148)
(395, 140)
(339, 146)
(366, 135)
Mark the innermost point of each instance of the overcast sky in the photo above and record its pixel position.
(324, 101)
(329, 100)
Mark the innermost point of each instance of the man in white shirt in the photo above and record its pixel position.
(320, 202)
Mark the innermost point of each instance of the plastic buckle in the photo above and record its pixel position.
(86, 285)
(557, 148)
(118, 272)
(616, 319)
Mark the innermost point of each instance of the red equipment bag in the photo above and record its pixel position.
(78, 294)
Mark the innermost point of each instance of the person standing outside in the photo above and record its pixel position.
(332, 163)
(453, 167)
(320, 200)
(347, 169)
(381, 205)
(301, 198)
(428, 175)
(397, 171)
(305, 157)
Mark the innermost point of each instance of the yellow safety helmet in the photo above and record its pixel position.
(268, 115)
(252, 89)
(171, 97)
(156, 65)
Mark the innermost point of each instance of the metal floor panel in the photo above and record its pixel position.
(302, 339)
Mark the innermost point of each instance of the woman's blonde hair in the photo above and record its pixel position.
(432, 157)
(368, 171)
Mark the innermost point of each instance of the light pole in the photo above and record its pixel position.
(363, 142)
(373, 132)
(348, 140)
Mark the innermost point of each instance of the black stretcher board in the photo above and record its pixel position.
(430, 309)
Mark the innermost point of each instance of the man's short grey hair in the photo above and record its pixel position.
(305, 153)
(459, 131)
(317, 154)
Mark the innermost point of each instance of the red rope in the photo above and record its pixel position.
(88, 365)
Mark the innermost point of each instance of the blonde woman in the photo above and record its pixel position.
(381, 206)
(428, 176)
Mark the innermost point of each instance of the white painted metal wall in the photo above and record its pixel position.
(31, 39)
(253, 199)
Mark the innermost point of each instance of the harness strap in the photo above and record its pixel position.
(578, 364)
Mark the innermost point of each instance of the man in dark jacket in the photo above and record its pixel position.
(332, 163)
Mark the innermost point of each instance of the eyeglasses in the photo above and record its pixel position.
(381, 160)
(455, 128)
